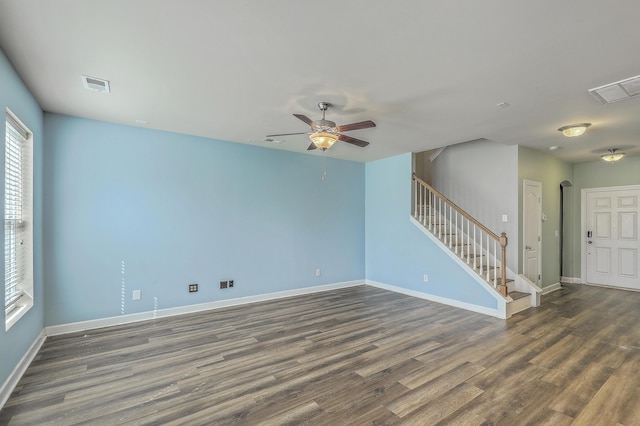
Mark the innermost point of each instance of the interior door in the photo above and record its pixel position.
(612, 243)
(532, 230)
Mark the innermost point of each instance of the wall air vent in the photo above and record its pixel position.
(618, 91)
(97, 84)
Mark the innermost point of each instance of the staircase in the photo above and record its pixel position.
(482, 251)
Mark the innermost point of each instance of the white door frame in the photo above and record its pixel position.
(526, 182)
(583, 224)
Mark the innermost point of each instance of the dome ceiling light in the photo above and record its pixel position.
(573, 130)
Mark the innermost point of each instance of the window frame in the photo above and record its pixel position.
(20, 253)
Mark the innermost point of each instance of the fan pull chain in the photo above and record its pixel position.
(324, 165)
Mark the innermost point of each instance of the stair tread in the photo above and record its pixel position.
(515, 295)
(485, 267)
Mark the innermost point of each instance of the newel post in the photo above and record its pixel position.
(503, 279)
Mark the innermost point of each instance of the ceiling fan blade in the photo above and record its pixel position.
(356, 126)
(286, 134)
(304, 118)
(312, 147)
(353, 141)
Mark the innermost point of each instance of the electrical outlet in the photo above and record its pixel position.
(224, 284)
(426, 278)
(318, 272)
(137, 294)
(230, 283)
(193, 288)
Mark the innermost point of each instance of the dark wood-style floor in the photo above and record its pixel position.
(355, 356)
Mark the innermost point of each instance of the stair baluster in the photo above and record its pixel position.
(447, 222)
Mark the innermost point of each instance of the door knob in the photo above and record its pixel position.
(527, 247)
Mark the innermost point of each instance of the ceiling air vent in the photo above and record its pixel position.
(97, 84)
(618, 91)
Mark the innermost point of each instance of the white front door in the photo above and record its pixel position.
(612, 243)
(532, 230)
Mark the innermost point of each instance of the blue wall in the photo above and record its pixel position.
(150, 210)
(397, 252)
(15, 96)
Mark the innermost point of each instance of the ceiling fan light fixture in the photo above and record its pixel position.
(612, 156)
(323, 140)
(573, 130)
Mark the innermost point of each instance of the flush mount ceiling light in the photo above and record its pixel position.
(573, 130)
(612, 156)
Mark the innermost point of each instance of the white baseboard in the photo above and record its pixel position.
(551, 288)
(443, 300)
(55, 330)
(9, 385)
(571, 280)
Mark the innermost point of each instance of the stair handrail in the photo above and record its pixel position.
(502, 239)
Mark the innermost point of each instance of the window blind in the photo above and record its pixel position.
(15, 141)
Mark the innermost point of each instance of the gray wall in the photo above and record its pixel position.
(423, 166)
(550, 171)
(598, 174)
(481, 177)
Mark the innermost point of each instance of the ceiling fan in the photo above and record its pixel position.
(324, 133)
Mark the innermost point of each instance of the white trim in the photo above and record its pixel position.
(613, 287)
(55, 330)
(612, 188)
(527, 286)
(494, 292)
(25, 303)
(551, 288)
(571, 280)
(443, 300)
(9, 385)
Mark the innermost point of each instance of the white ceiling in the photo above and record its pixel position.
(429, 73)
